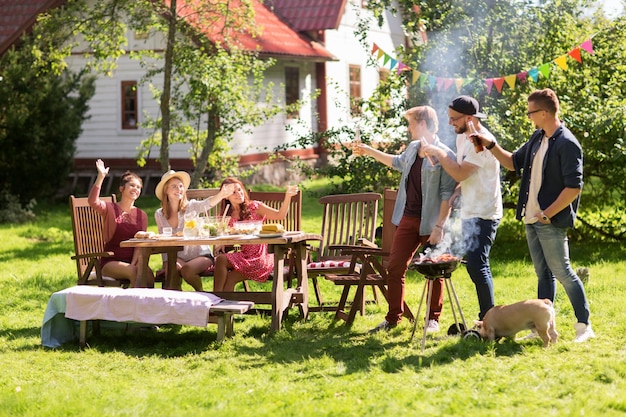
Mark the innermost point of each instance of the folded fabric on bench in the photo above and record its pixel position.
(141, 305)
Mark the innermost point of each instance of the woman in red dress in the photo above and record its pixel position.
(253, 261)
(121, 221)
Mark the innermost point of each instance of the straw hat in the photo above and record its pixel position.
(181, 175)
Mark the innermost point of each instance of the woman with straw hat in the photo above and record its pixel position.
(172, 191)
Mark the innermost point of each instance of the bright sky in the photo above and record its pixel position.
(612, 7)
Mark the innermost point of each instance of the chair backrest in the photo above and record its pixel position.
(346, 219)
(201, 194)
(275, 199)
(87, 230)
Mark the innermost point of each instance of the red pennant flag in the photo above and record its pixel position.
(448, 83)
(374, 48)
(498, 82)
(575, 53)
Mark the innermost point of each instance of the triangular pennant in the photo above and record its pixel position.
(510, 80)
(380, 54)
(498, 82)
(423, 79)
(561, 62)
(575, 53)
(534, 73)
(448, 83)
(489, 83)
(440, 82)
(459, 83)
(521, 77)
(544, 69)
(416, 75)
(374, 48)
(393, 63)
(432, 81)
(401, 67)
(587, 46)
(387, 58)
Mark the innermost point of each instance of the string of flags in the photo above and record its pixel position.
(443, 84)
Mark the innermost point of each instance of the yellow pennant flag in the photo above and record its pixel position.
(416, 75)
(562, 62)
(459, 83)
(510, 80)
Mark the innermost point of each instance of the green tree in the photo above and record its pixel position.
(42, 107)
(211, 86)
(479, 39)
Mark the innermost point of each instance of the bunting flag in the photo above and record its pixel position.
(443, 84)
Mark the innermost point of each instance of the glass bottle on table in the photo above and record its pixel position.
(471, 133)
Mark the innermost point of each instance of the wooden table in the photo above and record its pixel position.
(281, 298)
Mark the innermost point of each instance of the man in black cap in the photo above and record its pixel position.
(478, 175)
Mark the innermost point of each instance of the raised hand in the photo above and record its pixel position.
(102, 170)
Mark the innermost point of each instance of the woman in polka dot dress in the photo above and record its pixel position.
(253, 261)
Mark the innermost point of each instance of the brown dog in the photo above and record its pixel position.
(508, 320)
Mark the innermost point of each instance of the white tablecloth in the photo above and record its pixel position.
(141, 305)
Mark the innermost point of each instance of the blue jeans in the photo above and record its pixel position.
(549, 251)
(478, 238)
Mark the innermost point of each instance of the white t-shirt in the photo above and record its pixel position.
(481, 193)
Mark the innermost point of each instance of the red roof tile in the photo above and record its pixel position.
(274, 38)
(17, 17)
(309, 15)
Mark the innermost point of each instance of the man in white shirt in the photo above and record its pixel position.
(478, 174)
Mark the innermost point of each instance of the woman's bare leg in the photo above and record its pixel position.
(192, 269)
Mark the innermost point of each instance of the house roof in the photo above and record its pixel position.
(309, 15)
(274, 38)
(17, 17)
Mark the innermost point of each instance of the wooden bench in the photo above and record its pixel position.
(140, 305)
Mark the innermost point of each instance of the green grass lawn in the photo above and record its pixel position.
(312, 368)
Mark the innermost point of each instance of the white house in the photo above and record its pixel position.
(315, 47)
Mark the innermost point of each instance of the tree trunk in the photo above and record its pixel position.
(164, 155)
(213, 121)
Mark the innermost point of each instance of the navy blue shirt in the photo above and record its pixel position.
(562, 168)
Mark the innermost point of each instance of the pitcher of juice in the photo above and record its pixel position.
(191, 225)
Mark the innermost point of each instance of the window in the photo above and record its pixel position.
(292, 89)
(355, 90)
(129, 105)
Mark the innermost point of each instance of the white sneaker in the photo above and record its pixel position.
(433, 326)
(532, 335)
(583, 332)
(384, 326)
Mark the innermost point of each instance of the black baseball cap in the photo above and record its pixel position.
(467, 105)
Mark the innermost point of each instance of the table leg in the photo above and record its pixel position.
(302, 277)
(143, 257)
(278, 287)
(172, 278)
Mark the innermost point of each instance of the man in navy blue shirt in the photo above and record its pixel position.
(551, 168)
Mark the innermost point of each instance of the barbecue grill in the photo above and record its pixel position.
(433, 268)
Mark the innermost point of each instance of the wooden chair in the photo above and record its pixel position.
(275, 199)
(372, 272)
(89, 243)
(347, 220)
